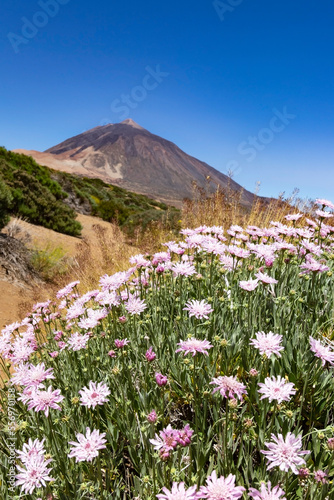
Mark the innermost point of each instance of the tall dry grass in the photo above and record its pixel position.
(225, 208)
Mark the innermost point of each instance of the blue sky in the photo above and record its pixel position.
(245, 85)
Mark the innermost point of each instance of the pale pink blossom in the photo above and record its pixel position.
(324, 215)
(268, 343)
(229, 387)
(35, 375)
(93, 318)
(35, 474)
(199, 309)
(115, 281)
(314, 266)
(326, 203)
(87, 447)
(320, 476)
(193, 346)
(238, 252)
(67, 289)
(31, 450)
(183, 269)
(78, 341)
(265, 278)
(249, 285)
(178, 492)
(221, 488)
(293, 217)
(266, 492)
(285, 453)
(96, 394)
(276, 389)
(43, 400)
(320, 351)
(135, 306)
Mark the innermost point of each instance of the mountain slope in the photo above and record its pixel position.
(130, 156)
(51, 198)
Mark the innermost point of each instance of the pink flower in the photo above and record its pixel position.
(77, 341)
(152, 417)
(31, 450)
(87, 446)
(135, 306)
(268, 343)
(160, 379)
(169, 438)
(20, 374)
(320, 476)
(293, 217)
(249, 285)
(314, 266)
(326, 203)
(121, 343)
(178, 492)
(95, 395)
(241, 253)
(303, 473)
(322, 214)
(184, 436)
(330, 444)
(253, 372)
(285, 454)
(166, 440)
(150, 355)
(34, 475)
(58, 335)
(37, 374)
(193, 346)
(322, 352)
(67, 290)
(267, 493)
(160, 257)
(183, 269)
(199, 309)
(42, 400)
(122, 319)
(265, 278)
(221, 488)
(115, 281)
(276, 389)
(229, 387)
(112, 354)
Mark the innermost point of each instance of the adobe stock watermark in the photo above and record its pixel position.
(31, 27)
(257, 143)
(127, 102)
(11, 439)
(223, 7)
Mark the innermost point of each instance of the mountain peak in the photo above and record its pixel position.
(130, 156)
(132, 123)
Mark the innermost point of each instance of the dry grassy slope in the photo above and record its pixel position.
(13, 293)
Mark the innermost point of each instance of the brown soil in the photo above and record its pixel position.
(16, 295)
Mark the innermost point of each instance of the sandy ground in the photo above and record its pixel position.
(12, 295)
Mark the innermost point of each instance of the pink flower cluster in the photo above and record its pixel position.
(35, 472)
(169, 438)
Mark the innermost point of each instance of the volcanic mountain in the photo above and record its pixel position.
(131, 157)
